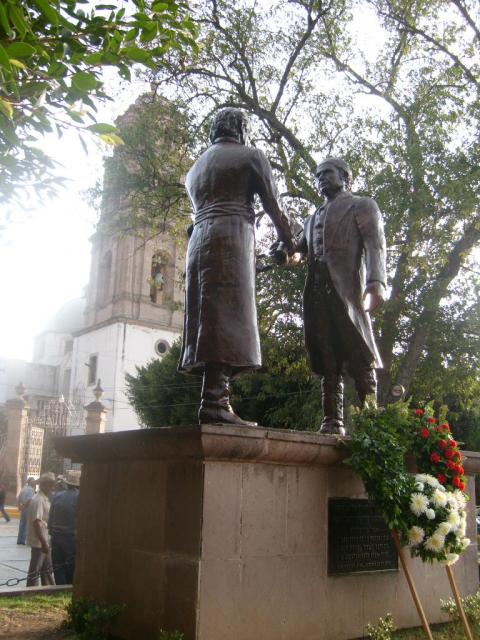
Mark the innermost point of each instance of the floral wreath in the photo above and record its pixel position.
(427, 509)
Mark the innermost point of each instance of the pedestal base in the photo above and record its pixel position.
(221, 533)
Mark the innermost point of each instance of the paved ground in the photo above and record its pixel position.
(14, 558)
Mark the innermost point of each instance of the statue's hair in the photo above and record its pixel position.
(342, 166)
(229, 121)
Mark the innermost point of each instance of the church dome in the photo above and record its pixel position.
(69, 318)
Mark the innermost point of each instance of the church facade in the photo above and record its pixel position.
(131, 313)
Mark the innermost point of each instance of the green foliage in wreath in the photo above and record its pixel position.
(428, 509)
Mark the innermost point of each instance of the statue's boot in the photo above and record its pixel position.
(332, 404)
(215, 407)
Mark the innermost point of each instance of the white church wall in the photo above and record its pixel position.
(119, 347)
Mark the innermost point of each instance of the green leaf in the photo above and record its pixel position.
(135, 53)
(94, 58)
(84, 81)
(20, 50)
(159, 6)
(4, 59)
(6, 108)
(17, 63)
(18, 19)
(102, 127)
(131, 35)
(112, 139)
(4, 20)
(46, 10)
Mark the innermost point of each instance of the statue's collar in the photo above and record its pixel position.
(226, 139)
(339, 196)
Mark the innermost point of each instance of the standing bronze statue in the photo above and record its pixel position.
(344, 245)
(220, 338)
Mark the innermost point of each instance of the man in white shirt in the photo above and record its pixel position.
(37, 533)
(23, 500)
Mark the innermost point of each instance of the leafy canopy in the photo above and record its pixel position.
(52, 53)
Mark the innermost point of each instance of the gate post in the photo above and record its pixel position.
(96, 412)
(17, 419)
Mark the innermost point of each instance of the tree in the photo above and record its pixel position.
(52, 53)
(143, 191)
(403, 114)
(280, 395)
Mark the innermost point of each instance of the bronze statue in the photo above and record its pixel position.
(344, 245)
(220, 338)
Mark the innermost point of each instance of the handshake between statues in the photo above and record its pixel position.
(343, 244)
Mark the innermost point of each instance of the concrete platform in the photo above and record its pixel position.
(221, 532)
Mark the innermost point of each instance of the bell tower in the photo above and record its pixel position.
(134, 299)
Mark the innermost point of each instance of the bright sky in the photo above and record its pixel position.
(45, 258)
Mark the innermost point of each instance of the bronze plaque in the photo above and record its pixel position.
(358, 538)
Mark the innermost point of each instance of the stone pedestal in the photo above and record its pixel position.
(221, 533)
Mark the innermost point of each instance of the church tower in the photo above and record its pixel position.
(134, 299)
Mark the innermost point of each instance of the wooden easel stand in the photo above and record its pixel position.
(413, 590)
(458, 600)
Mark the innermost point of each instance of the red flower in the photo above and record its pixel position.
(443, 444)
(452, 443)
(448, 453)
(419, 412)
(435, 458)
(431, 420)
(457, 455)
(457, 482)
(462, 486)
(450, 464)
(441, 478)
(459, 470)
(445, 426)
(424, 433)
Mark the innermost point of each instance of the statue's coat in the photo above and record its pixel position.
(354, 250)
(220, 314)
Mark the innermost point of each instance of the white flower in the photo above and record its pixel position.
(465, 543)
(444, 528)
(451, 558)
(452, 501)
(421, 477)
(435, 542)
(454, 519)
(416, 535)
(418, 503)
(462, 530)
(419, 486)
(460, 497)
(439, 499)
(433, 482)
(430, 513)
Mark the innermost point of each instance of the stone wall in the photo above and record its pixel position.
(221, 532)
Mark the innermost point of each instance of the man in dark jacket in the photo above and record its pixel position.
(344, 245)
(220, 338)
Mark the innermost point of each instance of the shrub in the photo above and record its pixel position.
(92, 620)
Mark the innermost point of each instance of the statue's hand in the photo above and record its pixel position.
(375, 294)
(278, 252)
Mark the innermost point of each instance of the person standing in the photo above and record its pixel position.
(62, 525)
(23, 501)
(37, 533)
(220, 337)
(343, 243)
(3, 493)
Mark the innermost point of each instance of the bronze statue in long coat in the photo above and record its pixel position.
(220, 338)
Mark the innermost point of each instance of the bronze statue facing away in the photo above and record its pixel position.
(220, 338)
(344, 245)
